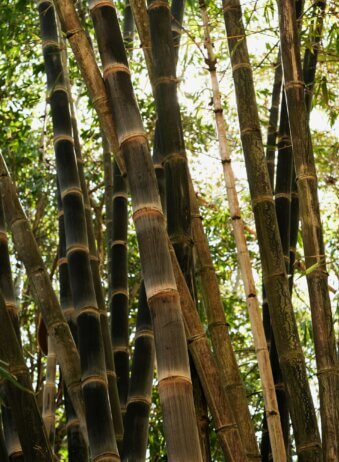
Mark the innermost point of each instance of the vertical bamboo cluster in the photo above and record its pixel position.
(162, 295)
(276, 284)
(91, 347)
(270, 400)
(314, 249)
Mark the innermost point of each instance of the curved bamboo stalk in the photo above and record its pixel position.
(284, 326)
(91, 345)
(7, 290)
(314, 249)
(28, 421)
(175, 393)
(213, 304)
(270, 400)
(48, 400)
(43, 293)
(140, 386)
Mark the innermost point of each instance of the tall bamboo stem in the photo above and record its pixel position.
(49, 392)
(314, 249)
(84, 292)
(282, 317)
(140, 386)
(3, 448)
(270, 400)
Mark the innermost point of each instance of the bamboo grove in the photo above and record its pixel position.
(122, 341)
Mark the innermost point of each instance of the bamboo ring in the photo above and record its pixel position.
(115, 67)
(241, 66)
(93, 4)
(294, 83)
(158, 4)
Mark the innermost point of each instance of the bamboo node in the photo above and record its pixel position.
(93, 4)
(260, 199)
(294, 83)
(110, 373)
(158, 4)
(144, 333)
(307, 446)
(94, 258)
(162, 292)
(241, 66)
(68, 312)
(172, 379)
(214, 324)
(115, 67)
(165, 80)
(106, 456)
(303, 177)
(71, 190)
(327, 370)
(131, 136)
(274, 275)
(120, 194)
(196, 338)
(174, 156)
(70, 33)
(230, 7)
(226, 161)
(62, 137)
(92, 310)
(72, 423)
(119, 242)
(61, 261)
(61, 213)
(77, 248)
(283, 195)
(226, 427)
(250, 130)
(119, 291)
(284, 139)
(147, 210)
(52, 43)
(93, 379)
(3, 236)
(12, 307)
(139, 399)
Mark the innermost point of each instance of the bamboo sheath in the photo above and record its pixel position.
(95, 269)
(314, 249)
(24, 408)
(160, 286)
(44, 295)
(7, 290)
(214, 307)
(292, 362)
(140, 385)
(91, 347)
(270, 400)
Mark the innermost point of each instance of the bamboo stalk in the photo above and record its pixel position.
(175, 393)
(43, 293)
(49, 392)
(314, 249)
(270, 400)
(140, 386)
(283, 322)
(214, 306)
(85, 292)
(28, 421)
(77, 448)
(128, 28)
(3, 448)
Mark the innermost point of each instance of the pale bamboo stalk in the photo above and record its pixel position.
(314, 248)
(270, 399)
(49, 392)
(43, 293)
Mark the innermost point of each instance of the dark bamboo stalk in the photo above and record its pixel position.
(3, 448)
(140, 386)
(314, 249)
(12, 441)
(128, 28)
(119, 284)
(49, 392)
(282, 317)
(177, 12)
(175, 394)
(89, 319)
(28, 421)
(43, 293)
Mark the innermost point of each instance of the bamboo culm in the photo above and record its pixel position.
(270, 400)
(140, 385)
(276, 284)
(102, 440)
(314, 249)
